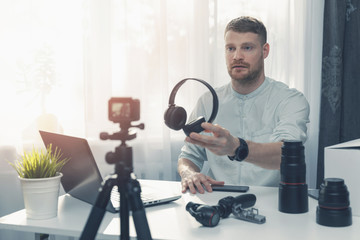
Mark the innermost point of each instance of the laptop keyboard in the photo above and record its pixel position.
(115, 197)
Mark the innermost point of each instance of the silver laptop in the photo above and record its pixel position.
(81, 176)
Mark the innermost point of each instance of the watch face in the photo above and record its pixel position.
(242, 151)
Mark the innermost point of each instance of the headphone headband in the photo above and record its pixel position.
(214, 95)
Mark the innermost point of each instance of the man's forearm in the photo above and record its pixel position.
(265, 155)
(185, 165)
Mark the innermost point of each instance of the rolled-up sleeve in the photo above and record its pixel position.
(293, 116)
(193, 153)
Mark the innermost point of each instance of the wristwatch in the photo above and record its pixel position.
(241, 152)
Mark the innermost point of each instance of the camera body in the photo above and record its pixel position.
(124, 109)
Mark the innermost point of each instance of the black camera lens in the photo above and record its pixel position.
(293, 167)
(334, 205)
(293, 188)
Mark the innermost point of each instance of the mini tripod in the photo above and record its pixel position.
(128, 187)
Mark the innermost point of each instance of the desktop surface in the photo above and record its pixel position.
(172, 221)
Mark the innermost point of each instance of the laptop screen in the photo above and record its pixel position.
(81, 176)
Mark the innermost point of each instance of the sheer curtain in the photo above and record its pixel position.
(155, 44)
(61, 61)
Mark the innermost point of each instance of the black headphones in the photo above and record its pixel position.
(175, 117)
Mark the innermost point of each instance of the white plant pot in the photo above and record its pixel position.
(41, 196)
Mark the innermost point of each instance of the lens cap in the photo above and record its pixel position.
(334, 205)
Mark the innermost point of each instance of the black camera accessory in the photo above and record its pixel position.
(123, 109)
(241, 152)
(175, 117)
(204, 214)
(209, 216)
(334, 205)
(293, 189)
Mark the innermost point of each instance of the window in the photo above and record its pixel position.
(67, 58)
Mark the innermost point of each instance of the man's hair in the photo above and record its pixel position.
(247, 24)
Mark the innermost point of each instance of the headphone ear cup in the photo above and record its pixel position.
(175, 117)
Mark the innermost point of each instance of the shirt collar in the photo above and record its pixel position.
(252, 94)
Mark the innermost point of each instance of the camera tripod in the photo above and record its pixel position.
(128, 187)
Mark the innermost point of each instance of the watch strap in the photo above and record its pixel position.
(241, 152)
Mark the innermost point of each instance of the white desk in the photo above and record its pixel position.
(172, 221)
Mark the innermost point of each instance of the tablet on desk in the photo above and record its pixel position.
(230, 188)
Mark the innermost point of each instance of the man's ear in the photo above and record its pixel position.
(266, 50)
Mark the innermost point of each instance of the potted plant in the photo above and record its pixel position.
(39, 174)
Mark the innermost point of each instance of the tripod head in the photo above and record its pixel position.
(124, 134)
(122, 111)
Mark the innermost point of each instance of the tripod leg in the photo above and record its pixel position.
(138, 211)
(141, 224)
(124, 214)
(98, 211)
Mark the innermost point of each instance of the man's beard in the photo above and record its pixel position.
(250, 78)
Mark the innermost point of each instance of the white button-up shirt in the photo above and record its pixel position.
(271, 113)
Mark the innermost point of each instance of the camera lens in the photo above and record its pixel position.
(293, 188)
(334, 205)
(293, 167)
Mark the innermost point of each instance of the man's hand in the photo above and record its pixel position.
(197, 181)
(220, 143)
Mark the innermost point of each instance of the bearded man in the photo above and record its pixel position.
(256, 114)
